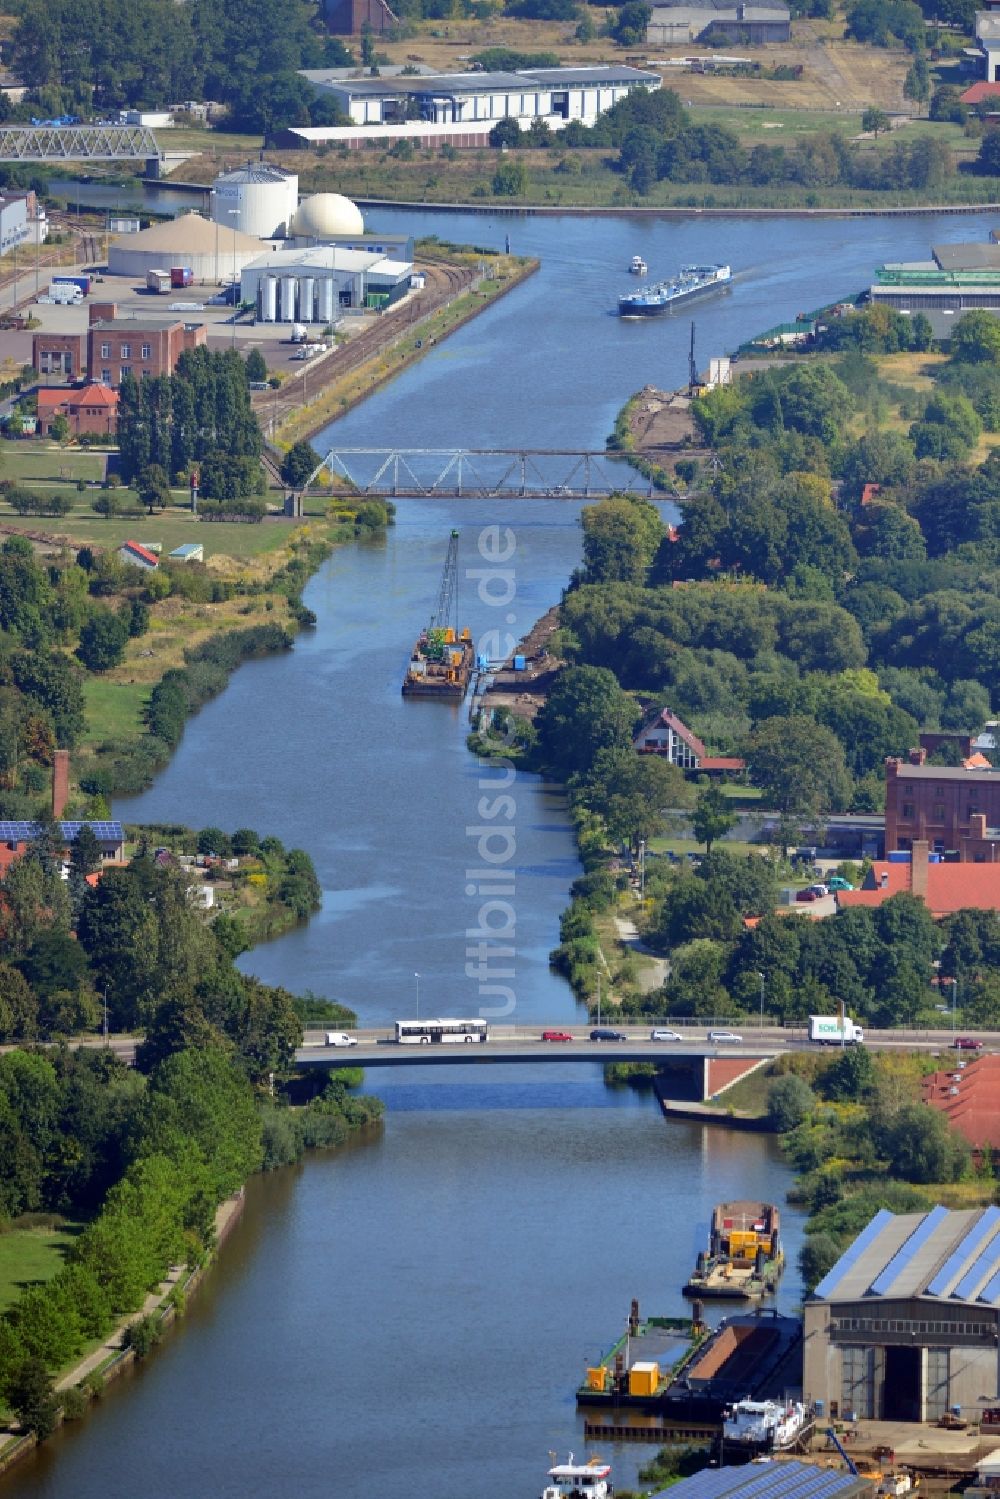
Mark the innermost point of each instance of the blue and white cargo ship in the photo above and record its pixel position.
(649, 301)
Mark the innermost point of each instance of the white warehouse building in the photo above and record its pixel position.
(257, 199)
(315, 284)
(556, 95)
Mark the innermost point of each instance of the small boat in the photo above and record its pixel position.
(572, 1480)
(650, 301)
(638, 267)
(744, 1257)
(760, 1426)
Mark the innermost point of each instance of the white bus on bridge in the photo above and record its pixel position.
(437, 1032)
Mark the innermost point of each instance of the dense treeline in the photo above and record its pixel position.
(146, 1160)
(98, 55)
(655, 140)
(811, 624)
(200, 417)
(134, 944)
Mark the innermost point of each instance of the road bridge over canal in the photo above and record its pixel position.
(488, 473)
(721, 1063)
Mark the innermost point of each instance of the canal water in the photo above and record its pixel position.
(411, 1315)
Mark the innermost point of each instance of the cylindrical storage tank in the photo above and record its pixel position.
(269, 299)
(327, 288)
(307, 297)
(289, 286)
(258, 199)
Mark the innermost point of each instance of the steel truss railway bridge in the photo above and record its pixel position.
(485, 473)
(54, 143)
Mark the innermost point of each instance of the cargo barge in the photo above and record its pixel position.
(442, 659)
(650, 301)
(688, 1376)
(744, 1259)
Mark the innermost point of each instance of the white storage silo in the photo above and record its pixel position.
(307, 299)
(257, 199)
(269, 299)
(327, 290)
(289, 286)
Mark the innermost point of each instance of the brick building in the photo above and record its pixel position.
(130, 346)
(114, 346)
(956, 810)
(88, 408)
(58, 354)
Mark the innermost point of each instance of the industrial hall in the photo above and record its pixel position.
(906, 1325)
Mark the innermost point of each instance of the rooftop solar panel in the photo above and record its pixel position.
(23, 831)
(974, 1240)
(985, 1266)
(851, 1256)
(991, 1290)
(786, 1480)
(887, 1277)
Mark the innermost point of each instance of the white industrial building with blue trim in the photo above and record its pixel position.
(906, 1325)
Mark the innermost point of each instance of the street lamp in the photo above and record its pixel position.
(954, 1002)
(417, 977)
(234, 214)
(214, 211)
(598, 996)
(642, 871)
(761, 977)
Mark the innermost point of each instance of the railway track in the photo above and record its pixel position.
(445, 282)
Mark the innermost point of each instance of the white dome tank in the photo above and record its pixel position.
(258, 199)
(327, 216)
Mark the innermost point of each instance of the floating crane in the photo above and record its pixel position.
(448, 592)
(442, 659)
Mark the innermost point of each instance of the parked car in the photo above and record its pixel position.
(665, 1036)
(806, 895)
(837, 882)
(603, 1034)
(340, 1038)
(820, 890)
(556, 1036)
(729, 1038)
(967, 1043)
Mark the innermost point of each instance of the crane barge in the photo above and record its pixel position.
(441, 661)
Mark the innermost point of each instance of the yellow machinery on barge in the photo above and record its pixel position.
(744, 1257)
(441, 662)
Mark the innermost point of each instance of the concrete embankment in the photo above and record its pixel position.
(495, 210)
(112, 1358)
(703, 1113)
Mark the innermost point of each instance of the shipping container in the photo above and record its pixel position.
(83, 282)
(181, 275)
(643, 1378)
(158, 281)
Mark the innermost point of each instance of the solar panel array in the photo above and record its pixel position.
(887, 1277)
(787, 1480)
(982, 1230)
(26, 832)
(833, 1277)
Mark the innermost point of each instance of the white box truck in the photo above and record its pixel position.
(830, 1030)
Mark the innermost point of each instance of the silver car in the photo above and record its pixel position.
(729, 1038)
(665, 1036)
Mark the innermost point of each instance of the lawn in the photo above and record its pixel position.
(170, 528)
(38, 463)
(31, 1255)
(114, 709)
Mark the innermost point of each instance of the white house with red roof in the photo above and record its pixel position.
(134, 553)
(667, 735)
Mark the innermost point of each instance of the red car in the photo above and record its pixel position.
(966, 1043)
(806, 895)
(556, 1036)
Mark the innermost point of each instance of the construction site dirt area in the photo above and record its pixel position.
(661, 418)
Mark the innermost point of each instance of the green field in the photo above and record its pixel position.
(30, 1255)
(171, 529)
(114, 709)
(34, 462)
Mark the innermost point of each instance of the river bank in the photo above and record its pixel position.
(89, 1375)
